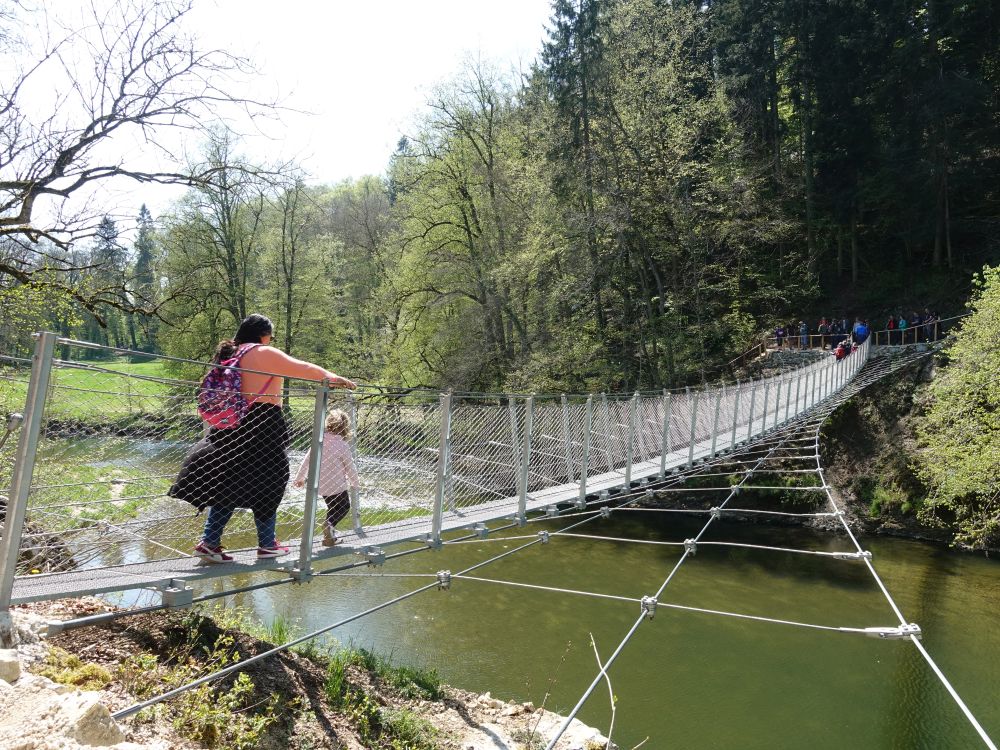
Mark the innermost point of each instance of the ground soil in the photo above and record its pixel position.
(463, 720)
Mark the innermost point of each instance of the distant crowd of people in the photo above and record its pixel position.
(831, 332)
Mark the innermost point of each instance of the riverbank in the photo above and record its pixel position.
(58, 693)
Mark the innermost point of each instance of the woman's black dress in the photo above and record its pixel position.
(245, 467)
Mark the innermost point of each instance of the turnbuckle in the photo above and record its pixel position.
(903, 631)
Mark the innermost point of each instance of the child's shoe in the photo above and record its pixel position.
(211, 554)
(329, 536)
(266, 553)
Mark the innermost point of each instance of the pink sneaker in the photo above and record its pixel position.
(212, 554)
(266, 553)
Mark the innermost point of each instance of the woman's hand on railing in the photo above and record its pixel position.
(338, 381)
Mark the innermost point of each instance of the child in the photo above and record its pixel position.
(337, 475)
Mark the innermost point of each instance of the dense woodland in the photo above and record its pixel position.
(666, 181)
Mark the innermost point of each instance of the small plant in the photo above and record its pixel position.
(407, 730)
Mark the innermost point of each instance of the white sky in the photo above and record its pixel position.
(352, 76)
(362, 68)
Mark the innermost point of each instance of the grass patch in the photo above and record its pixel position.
(69, 669)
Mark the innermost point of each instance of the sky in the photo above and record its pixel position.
(355, 73)
(351, 76)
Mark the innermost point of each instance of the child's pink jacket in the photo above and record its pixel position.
(336, 468)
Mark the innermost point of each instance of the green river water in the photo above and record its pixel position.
(686, 679)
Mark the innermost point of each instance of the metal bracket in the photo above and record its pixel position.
(432, 542)
(903, 631)
(520, 520)
(690, 545)
(604, 496)
(648, 605)
(299, 575)
(647, 493)
(715, 512)
(580, 504)
(551, 511)
(176, 595)
(444, 580)
(544, 536)
(374, 555)
(481, 530)
(605, 511)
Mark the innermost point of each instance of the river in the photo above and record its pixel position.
(690, 679)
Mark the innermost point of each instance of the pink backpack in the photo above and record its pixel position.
(220, 402)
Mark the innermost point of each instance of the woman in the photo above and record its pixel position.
(247, 466)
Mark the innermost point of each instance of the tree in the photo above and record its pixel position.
(959, 435)
(128, 71)
(146, 290)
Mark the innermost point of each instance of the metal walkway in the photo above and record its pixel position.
(100, 445)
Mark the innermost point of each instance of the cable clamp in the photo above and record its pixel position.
(647, 493)
(444, 580)
(715, 512)
(605, 511)
(544, 536)
(374, 555)
(648, 605)
(551, 511)
(736, 490)
(481, 530)
(903, 631)
(690, 545)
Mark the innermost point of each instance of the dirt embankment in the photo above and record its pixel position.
(868, 449)
(308, 699)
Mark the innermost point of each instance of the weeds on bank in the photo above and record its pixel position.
(380, 726)
(217, 718)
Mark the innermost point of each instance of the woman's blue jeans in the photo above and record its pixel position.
(218, 517)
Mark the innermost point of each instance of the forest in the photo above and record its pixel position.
(666, 182)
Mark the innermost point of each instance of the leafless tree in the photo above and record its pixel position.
(127, 73)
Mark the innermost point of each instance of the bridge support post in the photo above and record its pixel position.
(354, 494)
(763, 410)
(633, 408)
(20, 485)
(736, 412)
(568, 441)
(522, 494)
(720, 394)
(753, 403)
(798, 393)
(608, 443)
(665, 442)
(694, 425)
(788, 400)
(777, 401)
(437, 516)
(312, 477)
(449, 482)
(585, 467)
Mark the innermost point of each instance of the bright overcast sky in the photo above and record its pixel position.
(363, 68)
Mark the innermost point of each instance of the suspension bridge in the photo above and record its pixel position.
(98, 446)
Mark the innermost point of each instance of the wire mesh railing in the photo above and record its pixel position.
(102, 444)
